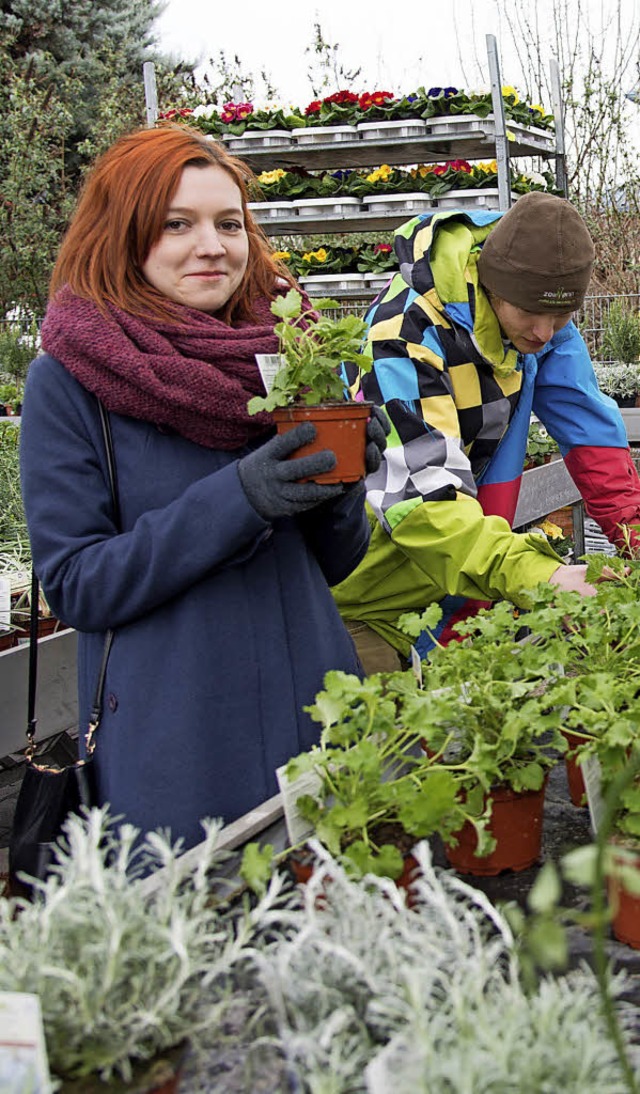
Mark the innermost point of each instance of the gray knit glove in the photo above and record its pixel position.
(269, 478)
(378, 429)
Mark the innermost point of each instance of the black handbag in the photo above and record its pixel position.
(48, 794)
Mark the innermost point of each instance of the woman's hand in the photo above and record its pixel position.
(271, 480)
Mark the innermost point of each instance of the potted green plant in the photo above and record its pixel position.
(486, 708)
(540, 446)
(311, 384)
(125, 970)
(370, 790)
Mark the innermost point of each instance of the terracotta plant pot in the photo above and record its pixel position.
(577, 791)
(516, 825)
(342, 427)
(625, 906)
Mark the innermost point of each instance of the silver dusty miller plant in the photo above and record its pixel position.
(369, 995)
(123, 969)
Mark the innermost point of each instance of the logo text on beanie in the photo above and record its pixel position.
(558, 296)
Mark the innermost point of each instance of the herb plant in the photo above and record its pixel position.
(123, 970)
(313, 347)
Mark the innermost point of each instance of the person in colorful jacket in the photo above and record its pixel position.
(472, 335)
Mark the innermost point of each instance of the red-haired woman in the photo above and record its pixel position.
(216, 580)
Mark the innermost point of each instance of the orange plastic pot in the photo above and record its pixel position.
(342, 427)
(516, 825)
(625, 906)
(577, 790)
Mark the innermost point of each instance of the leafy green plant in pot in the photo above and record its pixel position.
(311, 384)
(486, 710)
(373, 790)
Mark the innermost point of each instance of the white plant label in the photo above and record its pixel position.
(309, 783)
(5, 603)
(416, 665)
(592, 776)
(23, 1055)
(269, 364)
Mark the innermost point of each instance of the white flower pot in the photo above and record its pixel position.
(319, 284)
(271, 210)
(399, 127)
(318, 207)
(487, 198)
(325, 134)
(458, 125)
(398, 203)
(259, 138)
(377, 281)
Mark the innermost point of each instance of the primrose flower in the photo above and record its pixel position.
(281, 256)
(509, 92)
(375, 98)
(314, 107)
(422, 170)
(243, 110)
(446, 92)
(320, 255)
(382, 249)
(488, 168)
(205, 110)
(267, 178)
(381, 174)
(551, 530)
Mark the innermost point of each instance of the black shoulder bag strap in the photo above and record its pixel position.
(96, 709)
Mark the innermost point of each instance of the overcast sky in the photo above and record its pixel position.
(400, 47)
(419, 46)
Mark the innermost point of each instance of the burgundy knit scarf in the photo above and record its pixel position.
(194, 376)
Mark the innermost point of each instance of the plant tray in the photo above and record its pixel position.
(485, 198)
(324, 206)
(400, 127)
(265, 138)
(399, 203)
(325, 134)
(271, 210)
(328, 283)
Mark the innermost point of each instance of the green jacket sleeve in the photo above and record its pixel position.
(465, 553)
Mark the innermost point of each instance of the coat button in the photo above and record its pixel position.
(112, 702)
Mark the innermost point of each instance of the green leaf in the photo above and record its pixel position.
(256, 865)
(546, 890)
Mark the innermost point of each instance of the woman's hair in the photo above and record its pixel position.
(121, 214)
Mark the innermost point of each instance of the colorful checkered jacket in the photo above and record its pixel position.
(460, 401)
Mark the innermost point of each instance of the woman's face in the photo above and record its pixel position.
(202, 254)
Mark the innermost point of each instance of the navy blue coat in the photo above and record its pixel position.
(224, 623)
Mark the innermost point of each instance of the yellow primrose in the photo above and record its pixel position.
(381, 174)
(489, 168)
(421, 170)
(551, 530)
(538, 109)
(509, 92)
(268, 177)
(282, 256)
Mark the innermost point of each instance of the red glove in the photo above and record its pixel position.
(610, 487)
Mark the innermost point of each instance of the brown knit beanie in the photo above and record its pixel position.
(539, 255)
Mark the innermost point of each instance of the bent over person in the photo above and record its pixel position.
(472, 334)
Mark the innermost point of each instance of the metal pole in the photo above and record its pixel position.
(502, 147)
(150, 92)
(562, 181)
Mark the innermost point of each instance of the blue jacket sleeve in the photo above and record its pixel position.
(567, 399)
